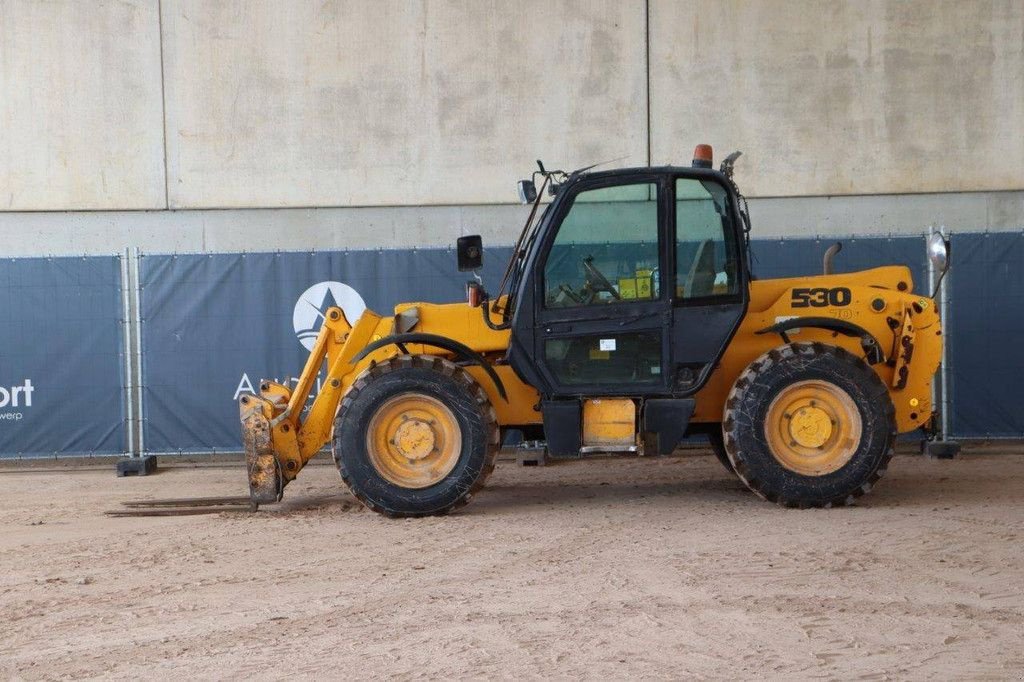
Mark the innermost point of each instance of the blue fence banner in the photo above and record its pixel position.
(773, 258)
(213, 326)
(61, 357)
(984, 331)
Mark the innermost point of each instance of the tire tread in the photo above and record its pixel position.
(445, 368)
(857, 367)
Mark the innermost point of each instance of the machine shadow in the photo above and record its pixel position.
(694, 488)
(502, 498)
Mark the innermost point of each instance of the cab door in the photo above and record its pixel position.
(708, 285)
(602, 308)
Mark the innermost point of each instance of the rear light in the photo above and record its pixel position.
(474, 294)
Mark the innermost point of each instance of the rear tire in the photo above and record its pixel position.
(415, 436)
(718, 447)
(809, 425)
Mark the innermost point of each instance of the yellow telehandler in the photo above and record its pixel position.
(627, 320)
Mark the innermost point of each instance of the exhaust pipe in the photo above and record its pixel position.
(830, 254)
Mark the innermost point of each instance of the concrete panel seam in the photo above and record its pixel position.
(647, 71)
(163, 97)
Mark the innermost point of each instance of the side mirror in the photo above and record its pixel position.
(938, 251)
(470, 251)
(527, 191)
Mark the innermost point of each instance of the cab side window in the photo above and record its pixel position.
(706, 255)
(606, 249)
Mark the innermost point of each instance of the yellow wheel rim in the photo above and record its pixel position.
(813, 428)
(413, 440)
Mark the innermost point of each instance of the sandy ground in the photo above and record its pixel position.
(600, 569)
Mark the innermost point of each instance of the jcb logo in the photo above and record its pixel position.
(820, 297)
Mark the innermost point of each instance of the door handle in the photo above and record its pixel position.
(637, 318)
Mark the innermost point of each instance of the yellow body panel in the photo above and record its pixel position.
(609, 421)
(523, 404)
(460, 322)
(771, 300)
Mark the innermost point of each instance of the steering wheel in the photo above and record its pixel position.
(597, 281)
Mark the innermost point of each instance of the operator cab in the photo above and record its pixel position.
(631, 285)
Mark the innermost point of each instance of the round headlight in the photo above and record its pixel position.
(938, 251)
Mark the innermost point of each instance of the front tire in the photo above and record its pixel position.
(809, 425)
(415, 436)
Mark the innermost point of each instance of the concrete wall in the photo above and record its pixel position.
(104, 232)
(81, 122)
(394, 103)
(861, 97)
(871, 116)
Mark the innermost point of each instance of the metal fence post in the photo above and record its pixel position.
(943, 447)
(129, 375)
(936, 396)
(138, 350)
(947, 404)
